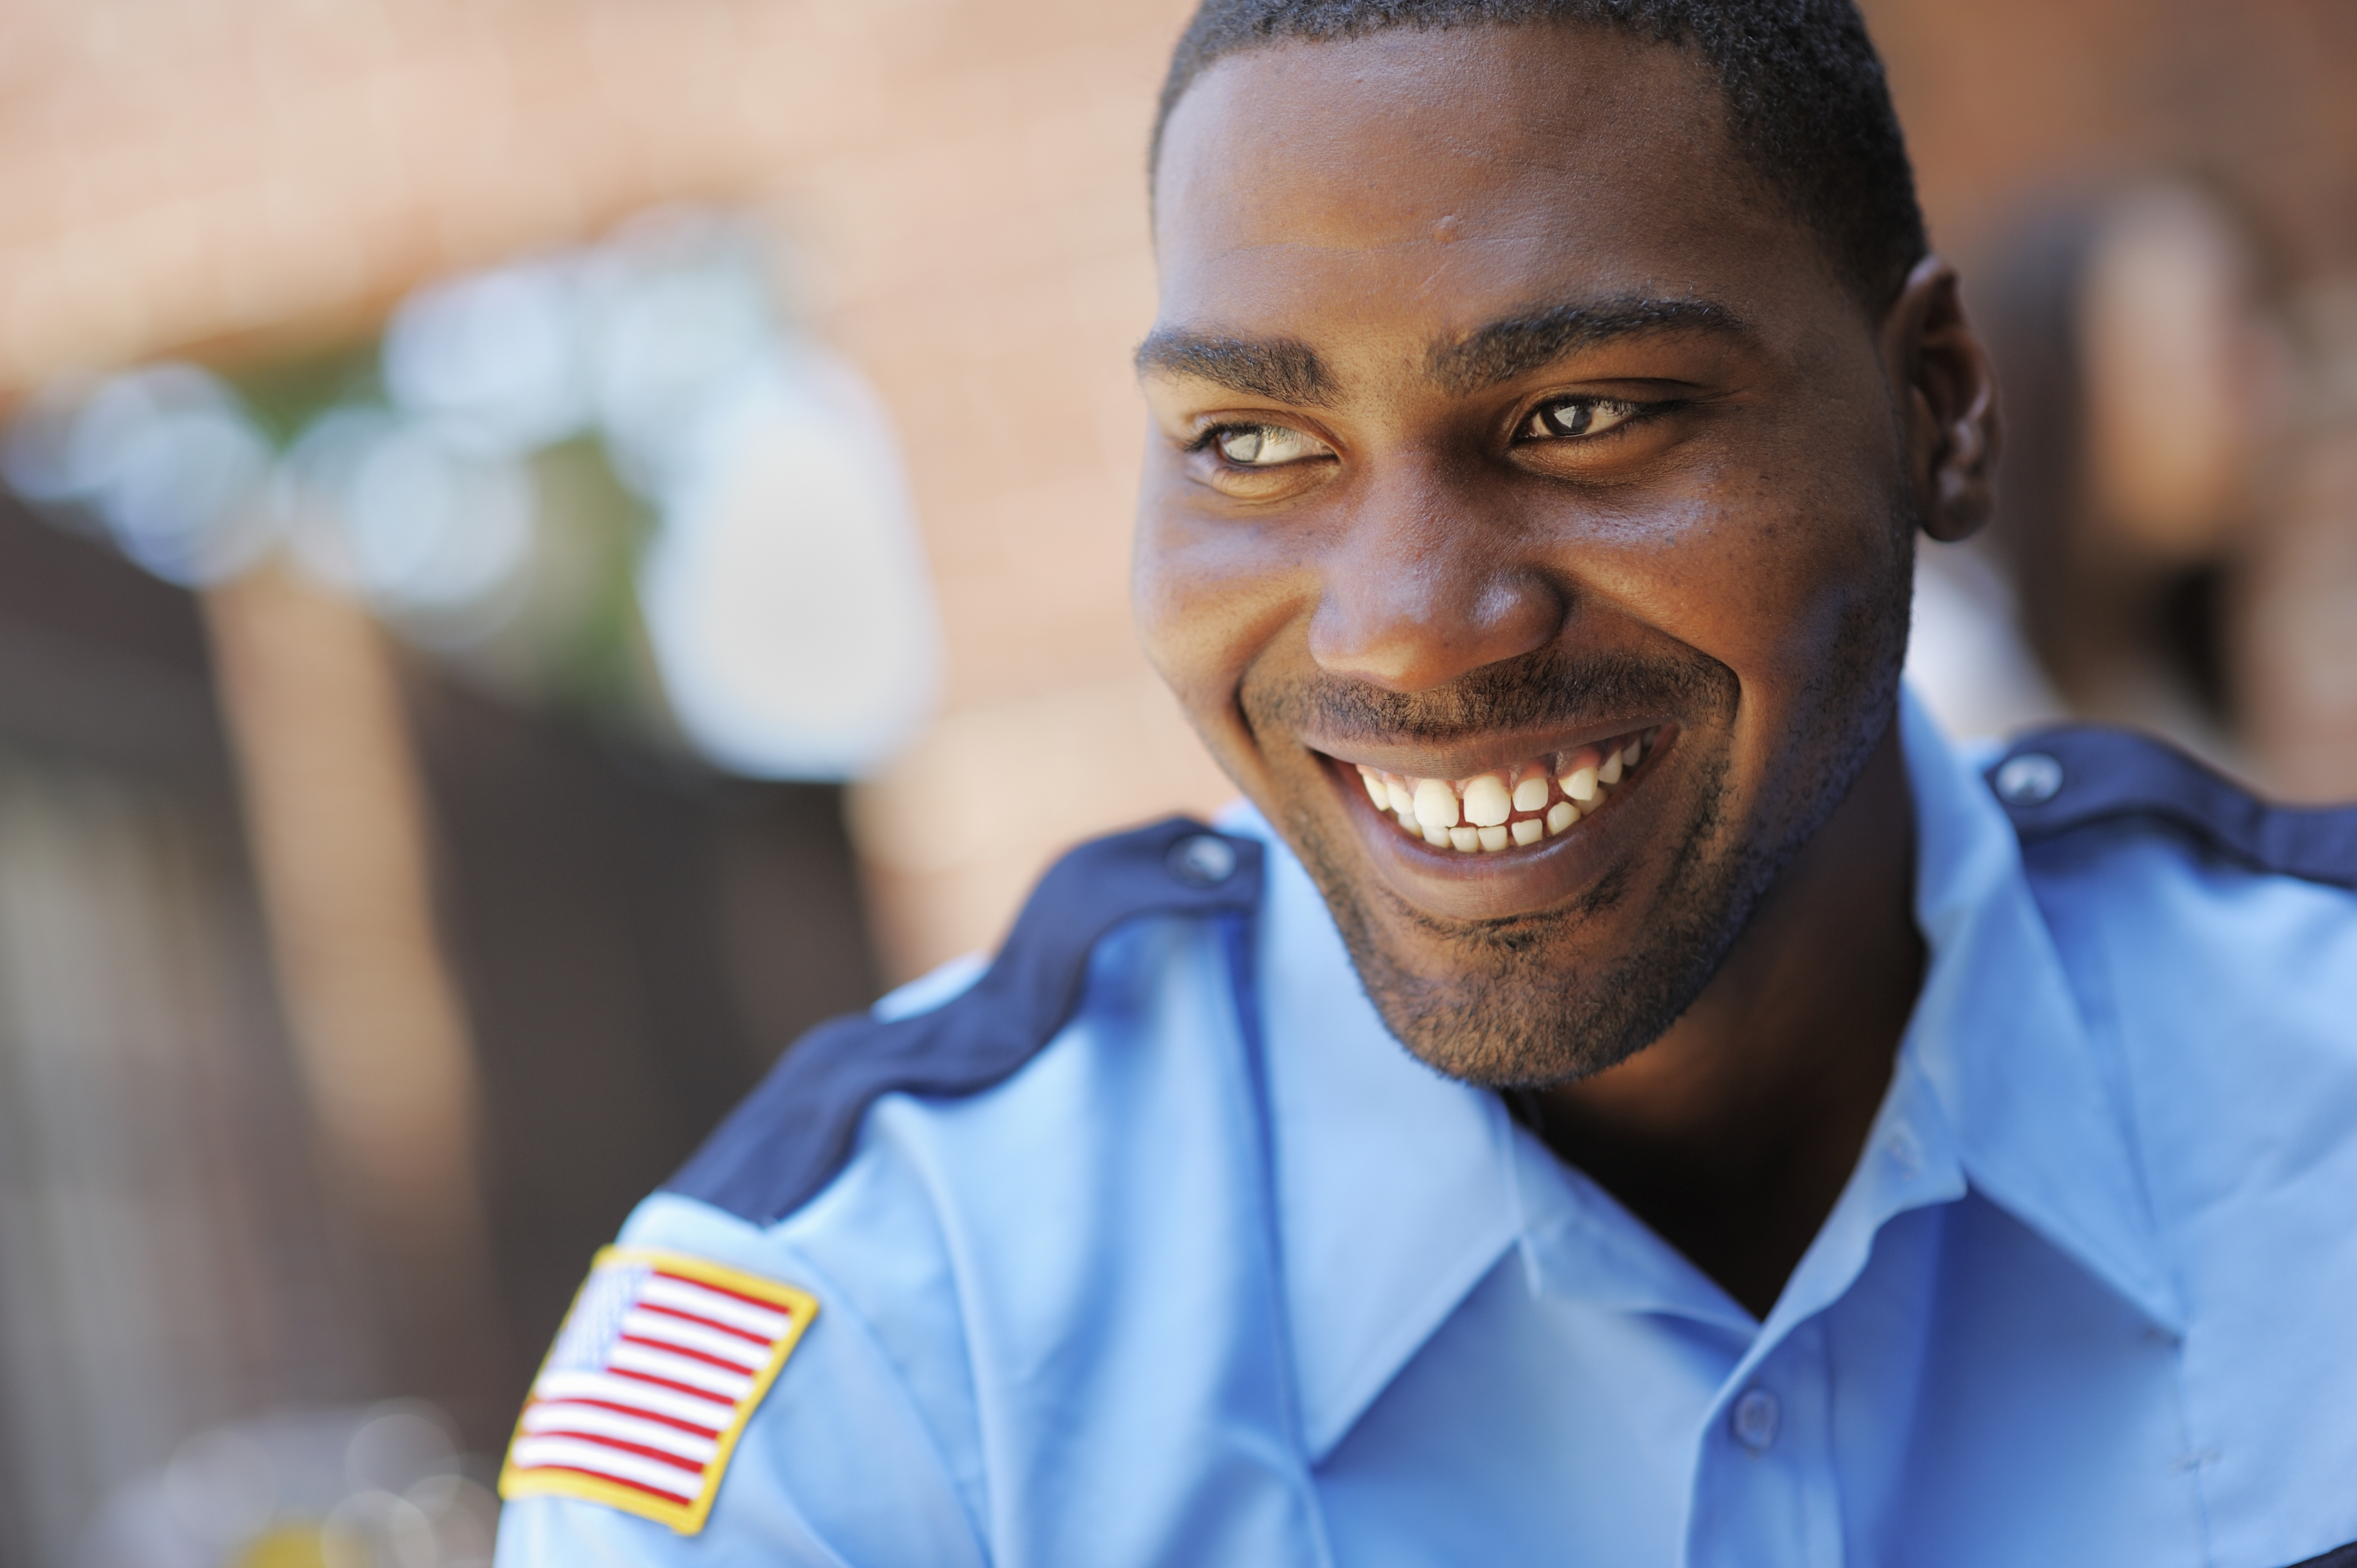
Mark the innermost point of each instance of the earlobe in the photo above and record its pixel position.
(1951, 401)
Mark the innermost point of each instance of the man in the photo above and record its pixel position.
(1803, 1150)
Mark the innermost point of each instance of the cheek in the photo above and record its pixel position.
(1821, 576)
(1212, 598)
(1798, 521)
(1754, 575)
(1770, 571)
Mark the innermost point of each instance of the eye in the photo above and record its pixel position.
(1574, 416)
(1265, 446)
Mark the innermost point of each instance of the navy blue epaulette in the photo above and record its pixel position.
(2343, 1557)
(2055, 781)
(795, 1132)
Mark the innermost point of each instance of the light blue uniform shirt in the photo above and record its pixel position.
(1173, 1295)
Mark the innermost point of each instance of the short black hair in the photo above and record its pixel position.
(1808, 106)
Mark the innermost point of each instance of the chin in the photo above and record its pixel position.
(1558, 995)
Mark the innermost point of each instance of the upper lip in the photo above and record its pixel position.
(1492, 753)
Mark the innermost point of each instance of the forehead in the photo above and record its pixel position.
(1424, 181)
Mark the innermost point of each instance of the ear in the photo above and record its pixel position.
(1947, 398)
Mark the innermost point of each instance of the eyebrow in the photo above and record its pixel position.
(1284, 369)
(1288, 370)
(1516, 346)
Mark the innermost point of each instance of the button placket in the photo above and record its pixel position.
(1766, 1491)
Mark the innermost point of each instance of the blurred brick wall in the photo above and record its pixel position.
(961, 182)
(2003, 95)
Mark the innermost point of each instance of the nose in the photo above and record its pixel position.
(1421, 588)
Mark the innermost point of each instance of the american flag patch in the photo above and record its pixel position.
(661, 1362)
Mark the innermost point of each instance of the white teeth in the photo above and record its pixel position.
(1436, 804)
(1487, 804)
(1513, 807)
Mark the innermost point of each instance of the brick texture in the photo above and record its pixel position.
(960, 183)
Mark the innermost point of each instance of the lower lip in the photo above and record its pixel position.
(1504, 883)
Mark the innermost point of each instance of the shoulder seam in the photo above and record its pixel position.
(795, 1133)
(2057, 780)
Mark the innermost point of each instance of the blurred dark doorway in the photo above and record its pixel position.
(634, 939)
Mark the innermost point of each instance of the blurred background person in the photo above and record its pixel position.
(2176, 541)
(2146, 385)
(2291, 614)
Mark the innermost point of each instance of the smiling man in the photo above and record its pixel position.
(1805, 1148)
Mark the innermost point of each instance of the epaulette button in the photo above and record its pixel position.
(2030, 779)
(1202, 860)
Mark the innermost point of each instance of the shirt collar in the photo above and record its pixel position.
(1393, 1195)
(1398, 1191)
(1999, 1087)
(1998, 1043)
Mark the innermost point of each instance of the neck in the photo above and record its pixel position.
(1733, 1133)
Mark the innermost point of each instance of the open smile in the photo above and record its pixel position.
(1510, 839)
(1515, 807)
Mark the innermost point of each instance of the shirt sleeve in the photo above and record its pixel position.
(835, 1468)
(542, 1532)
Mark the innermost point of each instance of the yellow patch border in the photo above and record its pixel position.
(685, 1519)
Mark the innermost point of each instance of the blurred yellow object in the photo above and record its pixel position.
(293, 1547)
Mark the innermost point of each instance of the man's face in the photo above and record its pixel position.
(1504, 431)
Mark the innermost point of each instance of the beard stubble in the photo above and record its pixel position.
(1507, 1008)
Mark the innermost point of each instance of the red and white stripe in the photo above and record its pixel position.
(670, 1383)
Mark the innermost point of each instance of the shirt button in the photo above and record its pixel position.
(1754, 1420)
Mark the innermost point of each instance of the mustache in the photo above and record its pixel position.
(1553, 688)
